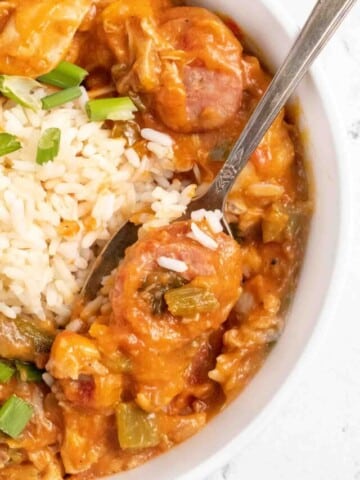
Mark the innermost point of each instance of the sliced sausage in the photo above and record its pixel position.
(202, 89)
(220, 270)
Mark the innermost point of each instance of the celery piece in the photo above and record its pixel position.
(187, 301)
(155, 286)
(136, 428)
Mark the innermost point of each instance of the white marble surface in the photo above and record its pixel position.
(316, 435)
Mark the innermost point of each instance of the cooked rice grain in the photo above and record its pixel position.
(172, 264)
(203, 238)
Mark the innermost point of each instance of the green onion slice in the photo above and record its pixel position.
(8, 143)
(28, 372)
(21, 90)
(48, 146)
(14, 416)
(59, 98)
(119, 108)
(6, 372)
(65, 75)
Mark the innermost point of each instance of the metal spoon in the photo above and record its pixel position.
(321, 24)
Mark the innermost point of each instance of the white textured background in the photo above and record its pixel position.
(316, 435)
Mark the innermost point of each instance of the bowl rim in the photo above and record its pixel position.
(337, 278)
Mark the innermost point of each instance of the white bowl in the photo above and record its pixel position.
(227, 433)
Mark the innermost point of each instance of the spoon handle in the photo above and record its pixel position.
(322, 23)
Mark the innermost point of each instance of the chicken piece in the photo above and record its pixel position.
(37, 34)
(184, 58)
(81, 428)
(114, 19)
(6, 8)
(123, 21)
(178, 428)
(96, 391)
(73, 355)
(131, 34)
(47, 464)
(16, 472)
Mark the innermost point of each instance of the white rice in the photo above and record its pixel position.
(48, 379)
(245, 303)
(75, 325)
(198, 215)
(203, 238)
(132, 157)
(93, 185)
(172, 264)
(157, 137)
(213, 218)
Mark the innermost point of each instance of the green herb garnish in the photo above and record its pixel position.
(61, 97)
(65, 75)
(119, 108)
(48, 146)
(21, 90)
(8, 143)
(14, 416)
